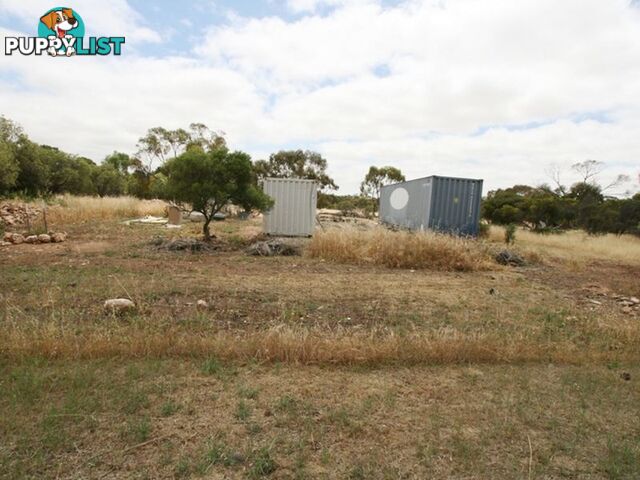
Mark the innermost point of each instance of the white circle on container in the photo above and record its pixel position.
(399, 198)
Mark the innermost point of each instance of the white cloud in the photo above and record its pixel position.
(413, 85)
(97, 104)
(301, 6)
(499, 156)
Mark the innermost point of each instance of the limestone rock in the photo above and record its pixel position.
(44, 238)
(119, 305)
(202, 304)
(17, 239)
(31, 239)
(58, 237)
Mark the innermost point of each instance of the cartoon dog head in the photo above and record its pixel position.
(60, 21)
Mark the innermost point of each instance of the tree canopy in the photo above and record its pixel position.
(582, 206)
(161, 144)
(296, 164)
(376, 178)
(210, 180)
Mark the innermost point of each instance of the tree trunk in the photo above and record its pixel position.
(205, 229)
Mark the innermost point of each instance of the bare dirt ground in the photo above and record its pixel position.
(304, 368)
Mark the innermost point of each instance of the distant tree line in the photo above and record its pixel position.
(31, 170)
(585, 205)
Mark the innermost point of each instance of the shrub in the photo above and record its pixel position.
(510, 234)
(209, 181)
(483, 230)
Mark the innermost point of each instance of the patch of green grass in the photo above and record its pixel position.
(253, 428)
(622, 461)
(287, 404)
(466, 452)
(262, 463)
(345, 419)
(137, 430)
(168, 408)
(53, 432)
(425, 453)
(250, 393)
(300, 462)
(183, 468)
(214, 367)
(24, 386)
(218, 453)
(325, 456)
(243, 411)
(358, 472)
(133, 400)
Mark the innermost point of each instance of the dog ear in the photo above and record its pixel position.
(49, 20)
(68, 12)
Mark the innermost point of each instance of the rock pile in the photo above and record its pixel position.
(272, 248)
(629, 304)
(182, 244)
(18, 214)
(17, 238)
(506, 257)
(332, 215)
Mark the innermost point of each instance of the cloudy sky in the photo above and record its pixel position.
(492, 89)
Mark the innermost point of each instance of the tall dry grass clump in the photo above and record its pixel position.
(576, 245)
(69, 209)
(299, 345)
(423, 250)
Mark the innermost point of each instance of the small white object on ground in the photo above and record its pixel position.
(119, 304)
(202, 304)
(148, 219)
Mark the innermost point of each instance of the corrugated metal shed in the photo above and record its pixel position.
(294, 211)
(445, 204)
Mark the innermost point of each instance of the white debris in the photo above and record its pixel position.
(119, 305)
(148, 219)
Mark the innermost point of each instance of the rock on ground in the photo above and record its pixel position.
(58, 237)
(18, 213)
(180, 244)
(202, 304)
(196, 217)
(272, 248)
(17, 239)
(506, 257)
(119, 305)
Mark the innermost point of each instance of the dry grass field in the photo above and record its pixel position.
(373, 355)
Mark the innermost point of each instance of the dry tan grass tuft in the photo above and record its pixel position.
(576, 245)
(69, 209)
(299, 346)
(399, 250)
